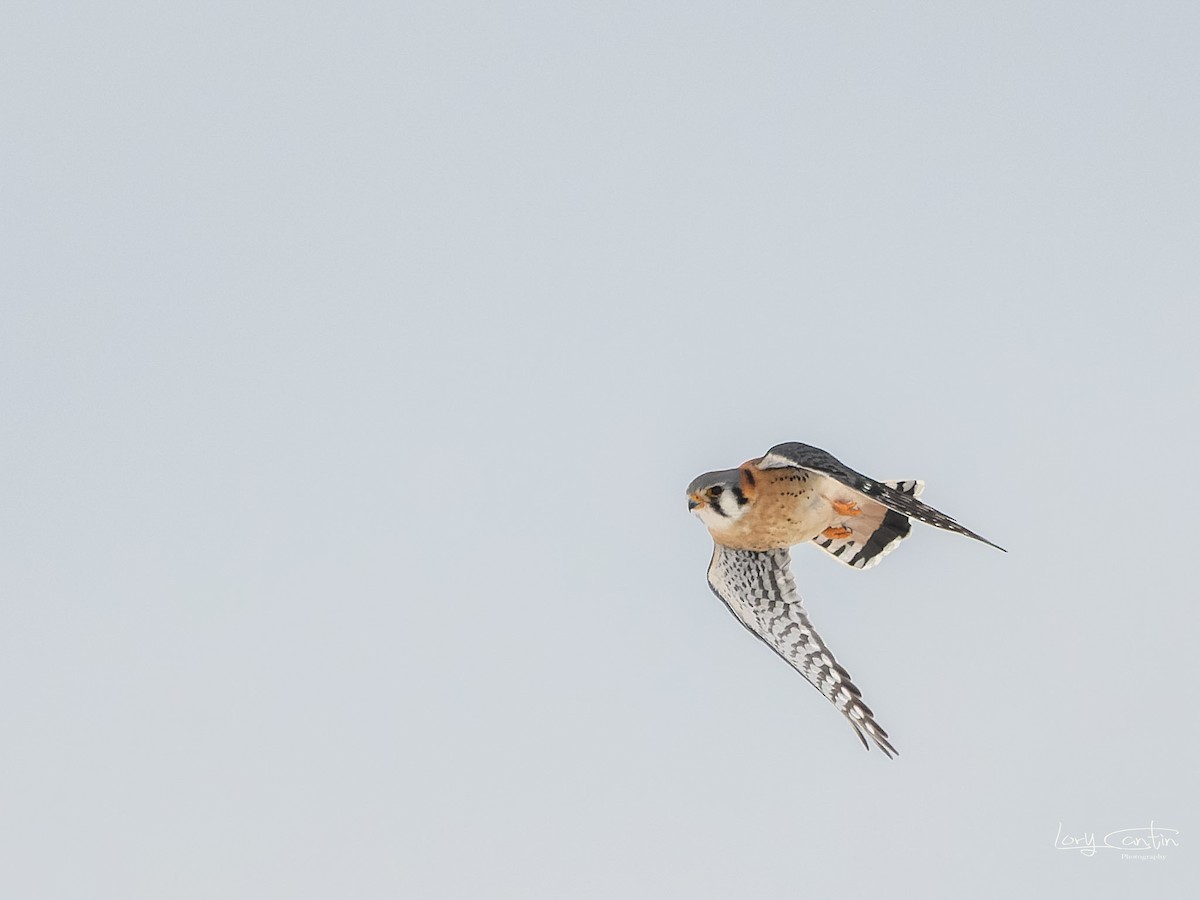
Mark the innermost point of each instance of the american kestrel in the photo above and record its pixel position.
(797, 493)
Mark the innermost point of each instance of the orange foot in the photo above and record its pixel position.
(837, 531)
(846, 508)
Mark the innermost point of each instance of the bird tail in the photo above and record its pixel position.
(870, 531)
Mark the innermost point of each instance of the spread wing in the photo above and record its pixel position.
(758, 588)
(802, 456)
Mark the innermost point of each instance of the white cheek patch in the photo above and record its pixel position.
(728, 505)
(706, 515)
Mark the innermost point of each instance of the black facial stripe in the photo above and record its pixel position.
(716, 506)
(749, 476)
(741, 498)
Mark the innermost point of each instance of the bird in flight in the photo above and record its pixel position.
(793, 495)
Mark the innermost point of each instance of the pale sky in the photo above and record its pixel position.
(355, 359)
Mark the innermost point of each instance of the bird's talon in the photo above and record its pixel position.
(846, 508)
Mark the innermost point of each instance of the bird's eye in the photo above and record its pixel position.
(715, 491)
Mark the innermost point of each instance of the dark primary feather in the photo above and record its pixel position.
(802, 456)
(759, 590)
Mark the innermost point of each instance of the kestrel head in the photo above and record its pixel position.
(720, 498)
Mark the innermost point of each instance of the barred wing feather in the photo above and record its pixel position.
(758, 588)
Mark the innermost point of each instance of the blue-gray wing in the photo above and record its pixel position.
(758, 588)
(802, 456)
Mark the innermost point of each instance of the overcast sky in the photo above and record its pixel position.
(353, 363)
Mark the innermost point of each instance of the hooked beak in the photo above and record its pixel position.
(693, 503)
